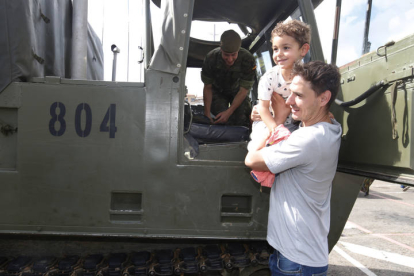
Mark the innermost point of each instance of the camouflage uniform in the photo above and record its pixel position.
(226, 83)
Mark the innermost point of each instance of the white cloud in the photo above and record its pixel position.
(394, 23)
(350, 40)
(349, 6)
(325, 19)
(409, 14)
(386, 4)
(390, 21)
(350, 19)
(348, 54)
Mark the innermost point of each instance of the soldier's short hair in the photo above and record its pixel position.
(230, 41)
(299, 30)
(321, 75)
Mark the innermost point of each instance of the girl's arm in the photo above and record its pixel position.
(266, 116)
(280, 109)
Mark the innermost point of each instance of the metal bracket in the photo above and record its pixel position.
(388, 44)
(7, 129)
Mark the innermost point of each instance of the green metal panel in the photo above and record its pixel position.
(129, 185)
(368, 143)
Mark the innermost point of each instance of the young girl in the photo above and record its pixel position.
(290, 43)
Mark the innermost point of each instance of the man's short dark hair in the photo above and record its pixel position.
(321, 75)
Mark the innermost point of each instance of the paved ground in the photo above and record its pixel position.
(379, 236)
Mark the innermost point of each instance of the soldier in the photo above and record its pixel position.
(228, 74)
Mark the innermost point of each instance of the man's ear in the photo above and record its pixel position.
(305, 49)
(325, 97)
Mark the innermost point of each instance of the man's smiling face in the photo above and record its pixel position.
(304, 102)
(229, 58)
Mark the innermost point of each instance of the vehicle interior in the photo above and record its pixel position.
(202, 140)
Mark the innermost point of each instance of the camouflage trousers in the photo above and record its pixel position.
(240, 117)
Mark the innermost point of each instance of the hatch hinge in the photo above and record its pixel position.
(7, 129)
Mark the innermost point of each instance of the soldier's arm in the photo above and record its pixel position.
(238, 100)
(207, 79)
(223, 117)
(248, 71)
(207, 98)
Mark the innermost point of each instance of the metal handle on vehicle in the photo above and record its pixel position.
(142, 59)
(115, 49)
(388, 44)
(363, 96)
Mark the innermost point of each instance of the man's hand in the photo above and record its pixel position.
(255, 116)
(279, 106)
(223, 117)
(209, 116)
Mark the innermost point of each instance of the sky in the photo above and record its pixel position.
(114, 23)
(390, 20)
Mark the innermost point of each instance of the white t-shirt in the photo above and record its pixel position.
(299, 213)
(273, 81)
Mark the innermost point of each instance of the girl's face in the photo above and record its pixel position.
(286, 51)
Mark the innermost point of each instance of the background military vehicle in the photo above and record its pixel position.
(101, 169)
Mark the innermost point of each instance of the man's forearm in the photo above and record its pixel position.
(207, 98)
(254, 160)
(238, 100)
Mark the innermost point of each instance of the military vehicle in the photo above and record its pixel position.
(102, 177)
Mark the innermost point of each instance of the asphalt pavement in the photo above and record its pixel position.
(378, 238)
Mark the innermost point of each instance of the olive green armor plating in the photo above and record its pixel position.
(376, 130)
(86, 159)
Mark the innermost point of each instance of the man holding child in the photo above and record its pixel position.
(305, 165)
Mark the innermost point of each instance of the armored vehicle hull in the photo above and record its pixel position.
(101, 176)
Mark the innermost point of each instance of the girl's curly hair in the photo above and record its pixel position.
(299, 30)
